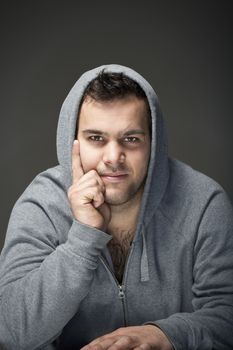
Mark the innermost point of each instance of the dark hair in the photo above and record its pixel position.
(110, 86)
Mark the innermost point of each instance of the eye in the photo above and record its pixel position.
(96, 138)
(131, 139)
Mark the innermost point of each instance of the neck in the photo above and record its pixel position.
(124, 217)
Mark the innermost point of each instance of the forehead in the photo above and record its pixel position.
(130, 112)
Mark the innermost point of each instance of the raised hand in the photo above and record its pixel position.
(147, 337)
(86, 195)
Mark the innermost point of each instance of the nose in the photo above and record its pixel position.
(113, 154)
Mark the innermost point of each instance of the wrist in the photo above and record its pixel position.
(164, 341)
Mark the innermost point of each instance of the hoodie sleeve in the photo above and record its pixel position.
(210, 325)
(43, 283)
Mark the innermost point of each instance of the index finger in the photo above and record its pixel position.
(77, 169)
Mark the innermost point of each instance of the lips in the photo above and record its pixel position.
(117, 173)
(114, 177)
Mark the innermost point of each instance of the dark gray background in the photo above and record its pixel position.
(184, 49)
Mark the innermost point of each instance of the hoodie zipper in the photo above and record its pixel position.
(121, 295)
(121, 287)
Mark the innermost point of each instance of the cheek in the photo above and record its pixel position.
(89, 158)
(139, 162)
(139, 165)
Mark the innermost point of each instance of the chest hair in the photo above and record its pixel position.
(119, 247)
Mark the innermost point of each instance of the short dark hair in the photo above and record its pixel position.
(108, 86)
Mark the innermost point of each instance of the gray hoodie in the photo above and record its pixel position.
(58, 291)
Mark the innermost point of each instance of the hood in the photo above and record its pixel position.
(158, 167)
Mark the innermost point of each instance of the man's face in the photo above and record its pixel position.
(115, 141)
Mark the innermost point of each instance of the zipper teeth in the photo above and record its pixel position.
(121, 293)
(122, 297)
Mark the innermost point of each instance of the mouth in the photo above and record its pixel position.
(114, 177)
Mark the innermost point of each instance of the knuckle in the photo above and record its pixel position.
(116, 347)
(128, 339)
(72, 189)
(119, 330)
(94, 191)
(93, 172)
(95, 182)
(98, 190)
(70, 192)
(97, 347)
(144, 346)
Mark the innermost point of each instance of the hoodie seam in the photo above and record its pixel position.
(171, 224)
(77, 256)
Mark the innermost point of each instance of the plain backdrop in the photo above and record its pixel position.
(183, 48)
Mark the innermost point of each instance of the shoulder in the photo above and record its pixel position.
(189, 180)
(43, 209)
(49, 184)
(46, 194)
(189, 194)
(191, 186)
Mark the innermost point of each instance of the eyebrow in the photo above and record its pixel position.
(134, 132)
(127, 133)
(94, 131)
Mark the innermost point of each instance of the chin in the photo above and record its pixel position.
(115, 197)
(119, 197)
(115, 201)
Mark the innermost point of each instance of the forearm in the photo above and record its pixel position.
(36, 306)
(204, 329)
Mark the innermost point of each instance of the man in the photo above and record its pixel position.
(118, 247)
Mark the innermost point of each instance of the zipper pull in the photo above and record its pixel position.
(121, 292)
